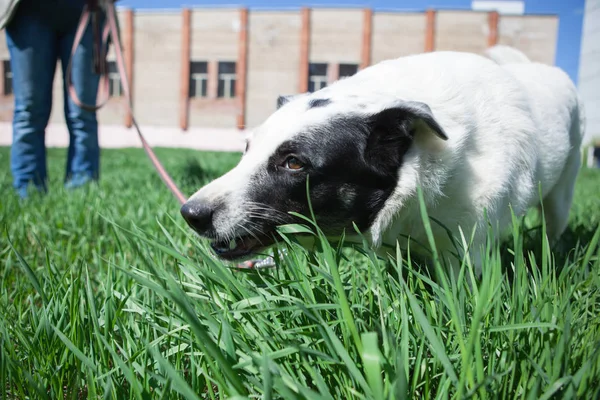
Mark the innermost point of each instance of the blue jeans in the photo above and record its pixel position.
(41, 33)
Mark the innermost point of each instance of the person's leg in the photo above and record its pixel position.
(83, 162)
(33, 56)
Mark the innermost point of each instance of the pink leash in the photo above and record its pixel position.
(100, 51)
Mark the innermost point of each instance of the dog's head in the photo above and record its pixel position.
(350, 150)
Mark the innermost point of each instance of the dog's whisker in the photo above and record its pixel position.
(252, 234)
(265, 212)
(267, 215)
(262, 216)
(270, 210)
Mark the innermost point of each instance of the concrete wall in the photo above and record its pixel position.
(6, 102)
(3, 46)
(115, 109)
(214, 38)
(536, 36)
(58, 109)
(396, 35)
(273, 60)
(157, 68)
(335, 36)
(461, 31)
(274, 52)
(589, 70)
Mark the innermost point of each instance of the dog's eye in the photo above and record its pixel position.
(293, 164)
(247, 146)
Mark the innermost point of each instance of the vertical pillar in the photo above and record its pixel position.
(241, 69)
(184, 98)
(493, 19)
(212, 89)
(365, 59)
(429, 30)
(129, 51)
(333, 72)
(304, 50)
(1, 77)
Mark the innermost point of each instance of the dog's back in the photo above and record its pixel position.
(513, 125)
(559, 114)
(552, 95)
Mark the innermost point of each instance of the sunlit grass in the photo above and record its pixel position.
(105, 293)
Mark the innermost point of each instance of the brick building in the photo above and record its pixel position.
(589, 68)
(589, 78)
(225, 67)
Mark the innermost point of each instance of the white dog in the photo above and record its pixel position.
(477, 136)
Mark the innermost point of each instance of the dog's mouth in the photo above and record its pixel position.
(242, 246)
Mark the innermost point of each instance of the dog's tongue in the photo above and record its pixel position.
(268, 262)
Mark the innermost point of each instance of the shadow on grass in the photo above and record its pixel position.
(195, 175)
(575, 238)
(569, 249)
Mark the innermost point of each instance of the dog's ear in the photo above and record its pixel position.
(412, 115)
(422, 112)
(392, 131)
(284, 99)
(281, 100)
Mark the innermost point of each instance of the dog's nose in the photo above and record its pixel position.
(198, 216)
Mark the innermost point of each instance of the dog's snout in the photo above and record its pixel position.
(198, 216)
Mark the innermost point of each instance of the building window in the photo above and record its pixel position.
(198, 79)
(348, 70)
(114, 80)
(317, 77)
(8, 81)
(227, 78)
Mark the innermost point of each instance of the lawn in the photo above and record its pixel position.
(105, 293)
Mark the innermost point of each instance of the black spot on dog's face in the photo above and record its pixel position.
(316, 103)
(351, 165)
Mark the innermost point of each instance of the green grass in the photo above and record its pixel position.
(104, 293)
